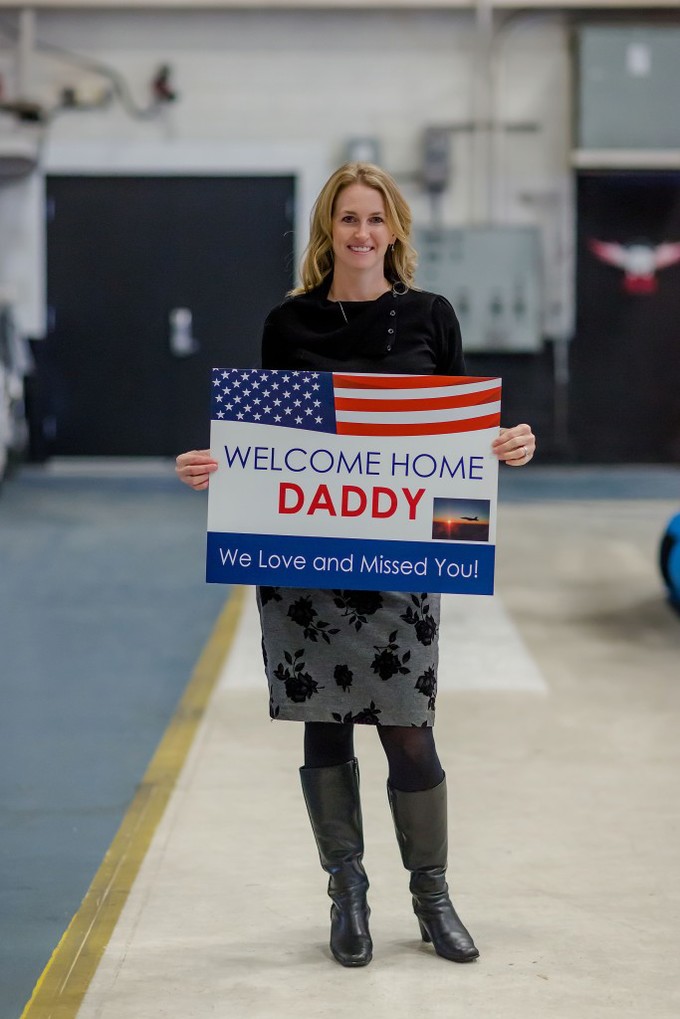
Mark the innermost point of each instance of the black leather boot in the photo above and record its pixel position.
(332, 798)
(420, 824)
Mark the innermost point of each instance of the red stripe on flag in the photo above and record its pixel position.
(404, 381)
(417, 428)
(361, 403)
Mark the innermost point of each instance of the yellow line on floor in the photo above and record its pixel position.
(61, 988)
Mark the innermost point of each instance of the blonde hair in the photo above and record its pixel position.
(400, 258)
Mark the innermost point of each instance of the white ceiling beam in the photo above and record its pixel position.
(193, 5)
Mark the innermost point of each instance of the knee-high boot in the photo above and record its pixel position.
(332, 798)
(420, 824)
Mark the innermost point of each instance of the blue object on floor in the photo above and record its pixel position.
(669, 559)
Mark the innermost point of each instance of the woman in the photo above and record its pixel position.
(368, 657)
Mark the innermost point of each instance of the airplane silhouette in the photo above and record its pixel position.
(470, 518)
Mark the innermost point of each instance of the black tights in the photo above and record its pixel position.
(411, 753)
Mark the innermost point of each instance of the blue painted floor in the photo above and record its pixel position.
(548, 484)
(103, 614)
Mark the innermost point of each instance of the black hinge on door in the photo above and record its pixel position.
(51, 318)
(50, 209)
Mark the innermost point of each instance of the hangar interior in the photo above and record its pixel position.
(158, 165)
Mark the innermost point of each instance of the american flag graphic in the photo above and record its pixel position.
(355, 404)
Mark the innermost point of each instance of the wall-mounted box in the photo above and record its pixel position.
(492, 277)
(628, 85)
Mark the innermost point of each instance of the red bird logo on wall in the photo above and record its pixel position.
(640, 262)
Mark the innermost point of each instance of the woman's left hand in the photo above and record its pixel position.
(515, 446)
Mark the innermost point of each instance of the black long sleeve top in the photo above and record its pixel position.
(411, 333)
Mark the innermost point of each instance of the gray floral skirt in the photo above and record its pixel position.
(350, 656)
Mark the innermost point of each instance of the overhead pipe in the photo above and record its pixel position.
(483, 112)
(25, 51)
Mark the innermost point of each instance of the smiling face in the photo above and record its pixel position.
(361, 235)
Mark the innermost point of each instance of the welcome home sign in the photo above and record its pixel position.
(331, 480)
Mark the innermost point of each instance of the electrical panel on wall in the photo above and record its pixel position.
(491, 276)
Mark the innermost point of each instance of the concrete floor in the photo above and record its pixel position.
(563, 777)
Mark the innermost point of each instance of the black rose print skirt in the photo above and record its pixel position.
(350, 656)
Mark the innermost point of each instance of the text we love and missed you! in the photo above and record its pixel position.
(356, 481)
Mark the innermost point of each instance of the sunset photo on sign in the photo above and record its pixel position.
(461, 519)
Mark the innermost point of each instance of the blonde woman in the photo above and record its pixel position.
(368, 657)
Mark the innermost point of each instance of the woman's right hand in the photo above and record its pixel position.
(195, 467)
